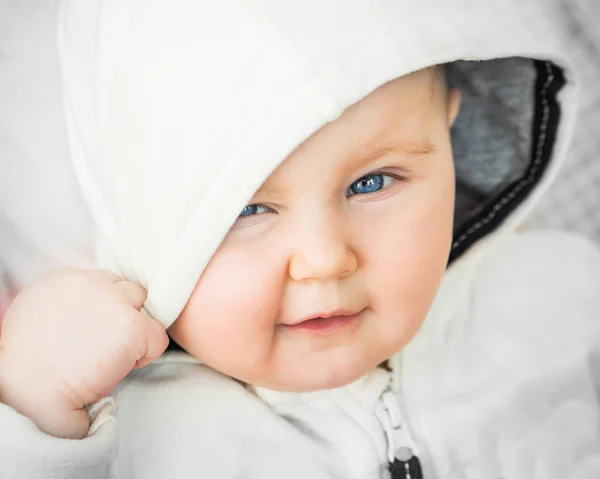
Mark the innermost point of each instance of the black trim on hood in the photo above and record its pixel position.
(549, 81)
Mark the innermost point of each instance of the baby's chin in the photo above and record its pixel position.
(297, 380)
(314, 379)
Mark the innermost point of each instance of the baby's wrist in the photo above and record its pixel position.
(5, 383)
(13, 382)
(69, 424)
(50, 415)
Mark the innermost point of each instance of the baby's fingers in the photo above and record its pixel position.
(104, 274)
(135, 294)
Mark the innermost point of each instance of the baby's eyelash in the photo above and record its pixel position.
(373, 183)
(254, 209)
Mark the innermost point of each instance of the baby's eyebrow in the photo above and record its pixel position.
(404, 148)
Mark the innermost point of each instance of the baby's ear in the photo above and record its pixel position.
(453, 104)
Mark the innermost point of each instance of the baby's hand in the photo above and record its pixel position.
(67, 341)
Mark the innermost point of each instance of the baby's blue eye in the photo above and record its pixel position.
(369, 184)
(250, 210)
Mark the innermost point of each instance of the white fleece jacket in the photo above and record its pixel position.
(505, 387)
(167, 101)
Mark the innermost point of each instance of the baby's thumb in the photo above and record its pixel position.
(156, 338)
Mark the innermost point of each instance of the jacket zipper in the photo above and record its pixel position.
(402, 451)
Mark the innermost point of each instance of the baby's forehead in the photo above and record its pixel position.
(398, 116)
(403, 105)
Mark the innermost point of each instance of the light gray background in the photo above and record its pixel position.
(573, 203)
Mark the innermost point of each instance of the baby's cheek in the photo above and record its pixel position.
(408, 265)
(248, 281)
(230, 317)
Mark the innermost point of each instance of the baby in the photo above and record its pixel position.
(321, 283)
(338, 256)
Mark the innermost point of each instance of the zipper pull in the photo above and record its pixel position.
(404, 463)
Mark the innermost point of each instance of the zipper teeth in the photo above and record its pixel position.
(390, 416)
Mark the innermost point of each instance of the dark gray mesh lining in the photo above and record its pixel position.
(491, 138)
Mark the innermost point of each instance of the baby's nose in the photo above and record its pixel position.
(324, 254)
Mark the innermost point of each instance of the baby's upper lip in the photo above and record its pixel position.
(325, 314)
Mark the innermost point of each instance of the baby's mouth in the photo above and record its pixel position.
(327, 321)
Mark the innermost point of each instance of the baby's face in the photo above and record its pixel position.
(334, 264)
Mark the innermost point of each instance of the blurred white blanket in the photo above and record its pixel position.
(43, 219)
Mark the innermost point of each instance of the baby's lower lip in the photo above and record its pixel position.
(321, 325)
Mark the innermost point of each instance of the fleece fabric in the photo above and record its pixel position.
(178, 110)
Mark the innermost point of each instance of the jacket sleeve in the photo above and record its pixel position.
(28, 453)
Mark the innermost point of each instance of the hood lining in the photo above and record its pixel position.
(549, 81)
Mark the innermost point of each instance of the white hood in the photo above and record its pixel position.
(178, 110)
